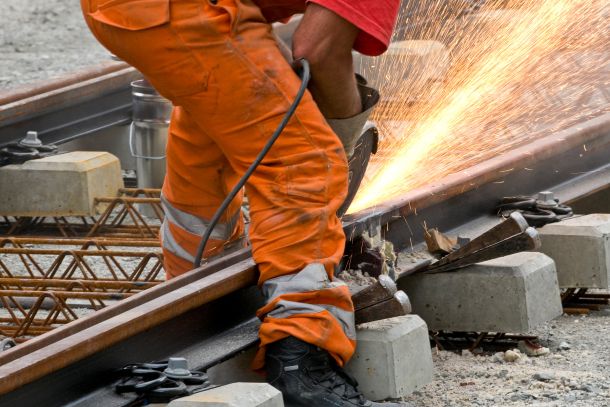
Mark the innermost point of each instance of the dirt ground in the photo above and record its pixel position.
(41, 39)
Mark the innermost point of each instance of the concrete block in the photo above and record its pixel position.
(393, 357)
(511, 294)
(581, 250)
(234, 395)
(60, 185)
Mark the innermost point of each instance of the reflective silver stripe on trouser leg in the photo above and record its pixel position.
(192, 224)
(169, 243)
(312, 278)
(197, 226)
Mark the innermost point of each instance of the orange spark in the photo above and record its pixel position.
(519, 70)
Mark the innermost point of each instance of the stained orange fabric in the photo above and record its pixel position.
(321, 329)
(220, 65)
(190, 242)
(171, 263)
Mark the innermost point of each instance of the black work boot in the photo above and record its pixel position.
(308, 376)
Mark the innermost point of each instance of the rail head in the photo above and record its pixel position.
(76, 105)
(537, 156)
(73, 78)
(24, 364)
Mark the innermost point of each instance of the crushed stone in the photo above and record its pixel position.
(579, 376)
(42, 39)
(356, 279)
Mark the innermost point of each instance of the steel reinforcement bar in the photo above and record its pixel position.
(71, 343)
(47, 282)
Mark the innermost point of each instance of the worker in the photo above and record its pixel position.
(222, 68)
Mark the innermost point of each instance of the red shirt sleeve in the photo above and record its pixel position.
(278, 10)
(374, 18)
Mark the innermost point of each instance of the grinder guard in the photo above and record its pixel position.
(359, 138)
(349, 130)
(365, 146)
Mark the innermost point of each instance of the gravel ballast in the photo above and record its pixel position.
(578, 376)
(42, 39)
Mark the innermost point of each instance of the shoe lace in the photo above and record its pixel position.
(337, 380)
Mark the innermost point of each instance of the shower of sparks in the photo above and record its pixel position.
(515, 70)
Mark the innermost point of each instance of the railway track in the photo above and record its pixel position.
(192, 315)
(196, 315)
(69, 108)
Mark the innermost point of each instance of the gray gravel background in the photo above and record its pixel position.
(577, 375)
(41, 39)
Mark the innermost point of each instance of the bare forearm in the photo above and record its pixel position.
(334, 89)
(326, 41)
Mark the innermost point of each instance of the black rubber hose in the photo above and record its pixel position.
(305, 76)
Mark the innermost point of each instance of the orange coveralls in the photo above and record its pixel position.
(222, 69)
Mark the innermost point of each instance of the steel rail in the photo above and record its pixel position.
(122, 326)
(543, 164)
(149, 307)
(87, 101)
(35, 89)
(100, 98)
(552, 161)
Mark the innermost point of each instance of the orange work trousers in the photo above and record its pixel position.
(219, 64)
